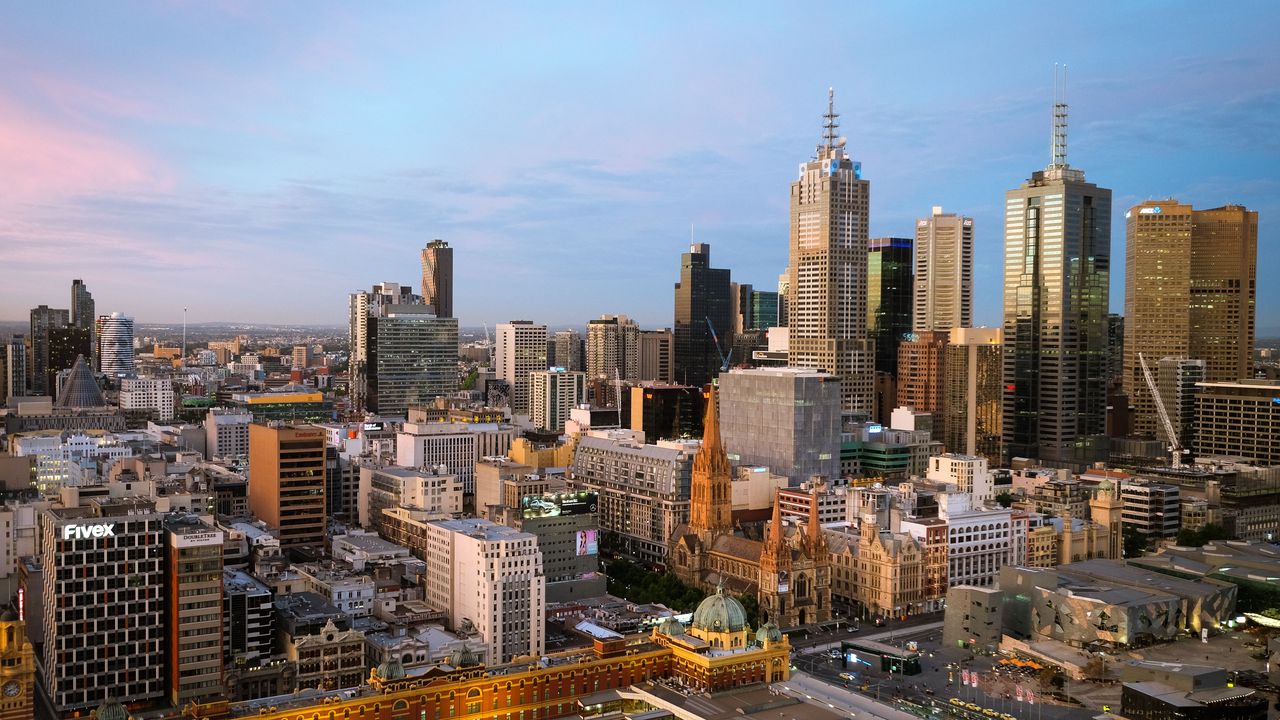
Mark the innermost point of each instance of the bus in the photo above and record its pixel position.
(871, 654)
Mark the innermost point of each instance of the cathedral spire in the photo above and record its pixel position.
(710, 492)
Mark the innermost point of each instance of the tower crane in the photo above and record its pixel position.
(1175, 444)
(724, 359)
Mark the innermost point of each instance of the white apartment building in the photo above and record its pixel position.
(453, 445)
(968, 473)
(980, 540)
(227, 433)
(350, 592)
(430, 489)
(553, 394)
(833, 503)
(520, 348)
(489, 577)
(148, 394)
(58, 453)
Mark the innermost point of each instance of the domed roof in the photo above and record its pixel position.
(1105, 485)
(392, 669)
(768, 632)
(80, 390)
(720, 613)
(463, 657)
(671, 626)
(111, 710)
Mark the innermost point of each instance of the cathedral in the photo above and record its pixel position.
(789, 572)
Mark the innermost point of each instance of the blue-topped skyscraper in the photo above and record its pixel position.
(1056, 281)
(827, 297)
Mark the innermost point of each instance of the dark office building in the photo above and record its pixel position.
(665, 411)
(65, 345)
(702, 303)
(889, 298)
(764, 309)
(43, 319)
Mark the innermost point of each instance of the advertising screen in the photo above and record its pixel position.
(588, 542)
(553, 504)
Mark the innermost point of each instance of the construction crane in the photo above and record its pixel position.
(724, 359)
(1175, 445)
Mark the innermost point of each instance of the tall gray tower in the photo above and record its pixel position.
(1056, 281)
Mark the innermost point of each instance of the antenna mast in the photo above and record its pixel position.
(1059, 144)
(829, 124)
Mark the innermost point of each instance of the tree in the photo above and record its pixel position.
(1135, 543)
(1197, 537)
(752, 605)
(1005, 499)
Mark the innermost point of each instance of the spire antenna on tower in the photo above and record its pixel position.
(829, 123)
(1059, 137)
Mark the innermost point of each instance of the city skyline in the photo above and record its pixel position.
(165, 180)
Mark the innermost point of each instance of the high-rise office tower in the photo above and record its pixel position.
(827, 315)
(703, 316)
(971, 397)
(655, 355)
(889, 293)
(115, 345)
(83, 314)
(437, 277)
(613, 344)
(102, 589)
(1178, 381)
(944, 272)
(552, 394)
(764, 309)
(568, 350)
(194, 611)
(43, 319)
(15, 367)
(787, 419)
(740, 307)
(920, 366)
(65, 344)
(784, 298)
(363, 308)
(1190, 291)
(287, 481)
(1056, 282)
(521, 348)
(412, 359)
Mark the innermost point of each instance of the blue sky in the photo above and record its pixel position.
(257, 163)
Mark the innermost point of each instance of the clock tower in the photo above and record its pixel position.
(17, 669)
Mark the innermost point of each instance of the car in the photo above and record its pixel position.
(834, 653)
(854, 628)
(990, 713)
(957, 701)
(973, 706)
(1007, 716)
(846, 676)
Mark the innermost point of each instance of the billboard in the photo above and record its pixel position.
(588, 542)
(554, 504)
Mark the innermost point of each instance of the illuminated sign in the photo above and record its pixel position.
(88, 532)
(555, 504)
(857, 170)
(875, 428)
(376, 426)
(1150, 210)
(834, 167)
(588, 542)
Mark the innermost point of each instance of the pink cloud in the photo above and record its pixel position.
(43, 158)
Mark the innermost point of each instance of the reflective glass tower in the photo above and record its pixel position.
(1056, 282)
(888, 298)
(702, 303)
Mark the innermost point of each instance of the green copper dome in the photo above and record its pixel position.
(111, 710)
(392, 669)
(720, 613)
(463, 657)
(670, 626)
(768, 632)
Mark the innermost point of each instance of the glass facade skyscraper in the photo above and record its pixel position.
(1056, 284)
(702, 302)
(889, 283)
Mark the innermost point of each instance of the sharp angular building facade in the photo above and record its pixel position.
(889, 298)
(702, 303)
(827, 312)
(1056, 284)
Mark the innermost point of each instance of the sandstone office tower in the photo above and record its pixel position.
(828, 273)
(1057, 237)
(1190, 292)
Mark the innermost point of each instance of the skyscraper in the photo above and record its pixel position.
(613, 344)
(944, 272)
(83, 314)
(15, 367)
(764, 309)
(65, 344)
(412, 358)
(971, 404)
(43, 319)
(568, 350)
(363, 308)
(437, 277)
(115, 345)
(521, 348)
(827, 314)
(1056, 282)
(889, 293)
(552, 394)
(287, 481)
(655, 355)
(702, 303)
(1190, 291)
(920, 372)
